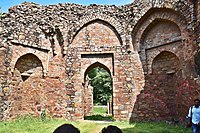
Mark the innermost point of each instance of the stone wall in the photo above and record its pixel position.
(147, 46)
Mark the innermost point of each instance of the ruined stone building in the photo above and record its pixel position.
(149, 47)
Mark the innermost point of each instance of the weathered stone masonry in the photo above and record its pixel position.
(149, 47)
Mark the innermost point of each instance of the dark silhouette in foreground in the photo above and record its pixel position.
(111, 129)
(66, 128)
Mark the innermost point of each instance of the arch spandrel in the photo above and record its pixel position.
(97, 33)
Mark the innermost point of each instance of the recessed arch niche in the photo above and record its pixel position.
(29, 65)
(165, 68)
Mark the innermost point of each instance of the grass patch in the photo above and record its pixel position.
(99, 117)
(100, 110)
(35, 125)
(100, 114)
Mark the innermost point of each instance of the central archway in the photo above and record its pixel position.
(98, 90)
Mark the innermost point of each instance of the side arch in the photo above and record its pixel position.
(159, 32)
(165, 62)
(152, 56)
(153, 15)
(43, 56)
(29, 64)
(161, 89)
(165, 69)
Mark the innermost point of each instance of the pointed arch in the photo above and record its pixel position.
(165, 62)
(159, 32)
(91, 92)
(96, 64)
(154, 15)
(100, 21)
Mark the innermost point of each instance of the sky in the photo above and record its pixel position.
(5, 4)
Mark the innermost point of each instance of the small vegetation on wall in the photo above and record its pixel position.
(102, 85)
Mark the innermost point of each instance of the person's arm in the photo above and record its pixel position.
(189, 117)
(189, 121)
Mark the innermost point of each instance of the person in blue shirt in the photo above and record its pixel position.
(194, 116)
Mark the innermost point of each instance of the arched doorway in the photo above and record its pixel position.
(165, 67)
(97, 94)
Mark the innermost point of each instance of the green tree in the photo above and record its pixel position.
(102, 85)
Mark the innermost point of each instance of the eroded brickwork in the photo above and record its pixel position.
(147, 46)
